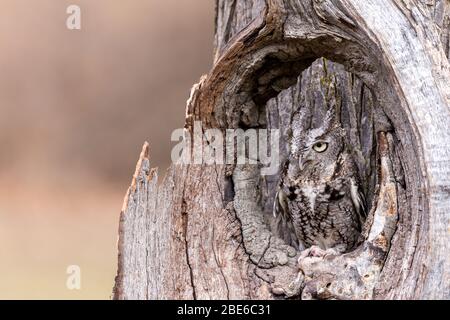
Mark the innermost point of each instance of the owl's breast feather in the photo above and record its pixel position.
(310, 192)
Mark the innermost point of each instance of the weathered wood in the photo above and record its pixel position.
(204, 233)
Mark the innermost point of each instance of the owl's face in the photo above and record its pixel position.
(315, 154)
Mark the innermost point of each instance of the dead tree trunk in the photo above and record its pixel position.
(204, 232)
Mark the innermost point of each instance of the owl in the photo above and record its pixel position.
(320, 203)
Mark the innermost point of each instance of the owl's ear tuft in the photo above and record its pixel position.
(333, 117)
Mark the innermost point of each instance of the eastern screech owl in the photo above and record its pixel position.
(319, 200)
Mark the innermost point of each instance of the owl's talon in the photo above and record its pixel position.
(331, 252)
(311, 252)
(316, 252)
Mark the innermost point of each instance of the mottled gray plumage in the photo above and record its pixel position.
(319, 201)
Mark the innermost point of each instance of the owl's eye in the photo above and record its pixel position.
(320, 147)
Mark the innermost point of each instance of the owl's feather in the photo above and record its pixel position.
(359, 200)
(285, 228)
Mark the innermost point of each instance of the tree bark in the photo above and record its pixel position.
(205, 231)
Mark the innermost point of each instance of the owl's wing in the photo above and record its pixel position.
(283, 220)
(359, 200)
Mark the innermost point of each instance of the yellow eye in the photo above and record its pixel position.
(320, 147)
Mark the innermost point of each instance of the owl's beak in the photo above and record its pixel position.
(302, 163)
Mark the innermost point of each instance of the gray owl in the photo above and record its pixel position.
(319, 202)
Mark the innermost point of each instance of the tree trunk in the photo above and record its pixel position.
(205, 231)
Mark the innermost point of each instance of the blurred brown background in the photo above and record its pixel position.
(75, 109)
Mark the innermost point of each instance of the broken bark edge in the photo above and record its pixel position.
(149, 174)
(145, 154)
